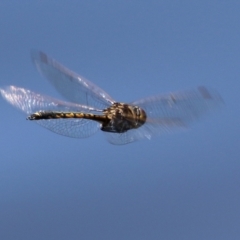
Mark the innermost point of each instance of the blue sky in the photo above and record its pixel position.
(183, 185)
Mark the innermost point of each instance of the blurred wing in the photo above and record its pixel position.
(169, 112)
(69, 84)
(30, 102)
(127, 137)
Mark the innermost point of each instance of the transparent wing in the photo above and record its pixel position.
(75, 128)
(30, 102)
(69, 84)
(169, 112)
(129, 136)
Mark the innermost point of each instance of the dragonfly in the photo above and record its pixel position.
(89, 108)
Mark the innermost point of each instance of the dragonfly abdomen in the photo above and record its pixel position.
(64, 115)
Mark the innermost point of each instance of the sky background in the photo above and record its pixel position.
(184, 185)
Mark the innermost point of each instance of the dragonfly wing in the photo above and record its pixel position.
(69, 84)
(75, 128)
(146, 131)
(126, 137)
(179, 109)
(168, 112)
(30, 102)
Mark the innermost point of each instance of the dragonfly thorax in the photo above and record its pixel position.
(122, 117)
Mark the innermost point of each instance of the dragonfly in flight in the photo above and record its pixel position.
(89, 108)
